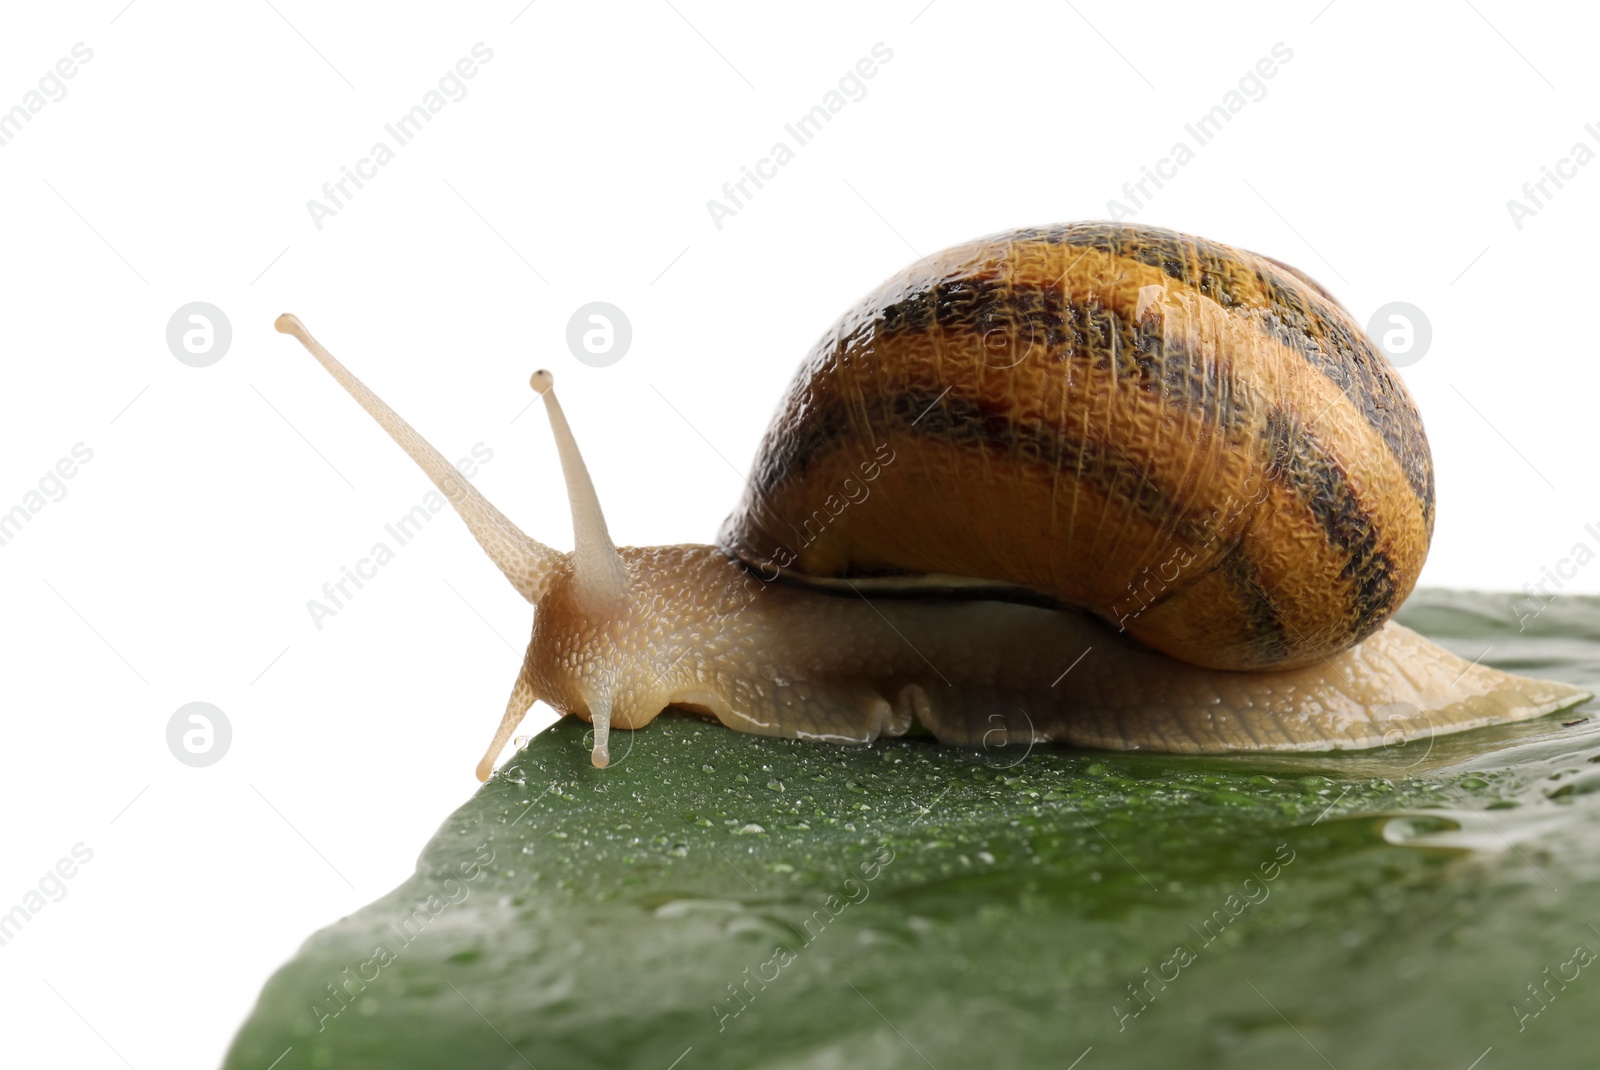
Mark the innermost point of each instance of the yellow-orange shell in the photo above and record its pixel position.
(1191, 441)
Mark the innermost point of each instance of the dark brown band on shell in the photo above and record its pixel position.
(1120, 418)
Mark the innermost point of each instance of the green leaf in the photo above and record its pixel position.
(762, 903)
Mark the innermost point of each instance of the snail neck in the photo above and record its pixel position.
(578, 659)
(598, 655)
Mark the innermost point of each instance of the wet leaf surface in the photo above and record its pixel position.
(733, 901)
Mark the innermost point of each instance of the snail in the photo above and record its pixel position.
(1097, 484)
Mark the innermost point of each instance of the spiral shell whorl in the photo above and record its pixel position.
(1191, 441)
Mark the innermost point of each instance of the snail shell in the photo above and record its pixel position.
(1193, 442)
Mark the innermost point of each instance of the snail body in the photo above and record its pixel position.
(1095, 484)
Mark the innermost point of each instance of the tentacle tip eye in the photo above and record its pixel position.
(541, 381)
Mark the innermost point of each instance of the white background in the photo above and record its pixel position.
(219, 500)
